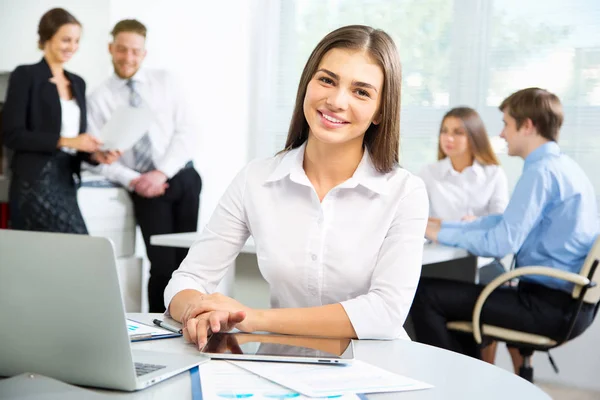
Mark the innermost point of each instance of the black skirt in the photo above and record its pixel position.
(48, 204)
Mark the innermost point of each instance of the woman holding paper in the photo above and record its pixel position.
(338, 225)
(44, 122)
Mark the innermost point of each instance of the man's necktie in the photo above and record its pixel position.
(142, 149)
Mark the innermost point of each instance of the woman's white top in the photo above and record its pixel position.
(70, 117)
(478, 190)
(361, 246)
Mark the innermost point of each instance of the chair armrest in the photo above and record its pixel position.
(493, 285)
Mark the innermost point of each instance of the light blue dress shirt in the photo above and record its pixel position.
(551, 219)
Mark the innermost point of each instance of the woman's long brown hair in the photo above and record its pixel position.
(479, 142)
(382, 140)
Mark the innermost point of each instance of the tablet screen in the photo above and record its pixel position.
(278, 346)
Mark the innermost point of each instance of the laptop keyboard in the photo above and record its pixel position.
(143, 369)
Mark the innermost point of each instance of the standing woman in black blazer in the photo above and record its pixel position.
(44, 122)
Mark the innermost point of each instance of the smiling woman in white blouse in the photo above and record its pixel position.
(338, 225)
(467, 181)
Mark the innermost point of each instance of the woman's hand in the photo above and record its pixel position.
(82, 142)
(208, 312)
(433, 228)
(106, 157)
(197, 329)
(212, 302)
(434, 221)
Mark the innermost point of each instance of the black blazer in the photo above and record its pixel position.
(32, 117)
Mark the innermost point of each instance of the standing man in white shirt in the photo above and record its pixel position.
(157, 170)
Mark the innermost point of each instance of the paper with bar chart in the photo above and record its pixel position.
(330, 380)
(222, 380)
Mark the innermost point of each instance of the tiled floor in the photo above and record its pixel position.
(558, 392)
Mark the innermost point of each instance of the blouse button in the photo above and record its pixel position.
(313, 257)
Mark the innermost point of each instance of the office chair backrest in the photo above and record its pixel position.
(592, 296)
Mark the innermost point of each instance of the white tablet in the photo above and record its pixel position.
(284, 348)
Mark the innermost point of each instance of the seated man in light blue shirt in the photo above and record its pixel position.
(551, 220)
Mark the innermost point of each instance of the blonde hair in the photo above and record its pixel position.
(129, 25)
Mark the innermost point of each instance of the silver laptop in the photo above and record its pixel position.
(62, 315)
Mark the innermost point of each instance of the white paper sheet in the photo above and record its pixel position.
(222, 380)
(125, 127)
(329, 380)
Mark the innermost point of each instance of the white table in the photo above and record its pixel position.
(454, 376)
(432, 253)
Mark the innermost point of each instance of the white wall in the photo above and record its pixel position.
(18, 29)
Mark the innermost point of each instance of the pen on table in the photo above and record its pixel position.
(166, 326)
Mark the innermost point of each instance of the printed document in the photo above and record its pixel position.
(221, 380)
(316, 380)
(125, 127)
(138, 331)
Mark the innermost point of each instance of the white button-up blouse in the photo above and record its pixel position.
(361, 246)
(479, 190)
